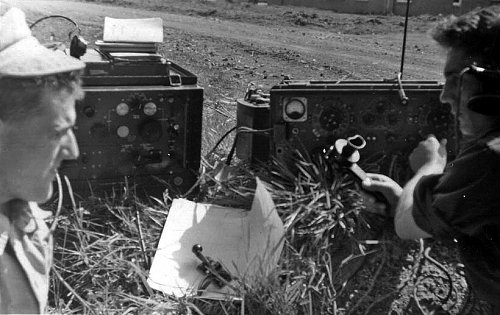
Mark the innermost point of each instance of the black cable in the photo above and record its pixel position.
(233, 146)
(57, 16)
(458, 134)
(425, 251)
(233, 149)
(222, 139)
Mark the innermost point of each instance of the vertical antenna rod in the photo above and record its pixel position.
(404, 37)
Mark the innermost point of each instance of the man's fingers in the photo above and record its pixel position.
(377, 177)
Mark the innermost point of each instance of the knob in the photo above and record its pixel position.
(150, 109)
(122, 109)
(171, 154)
(173, 131)
(84, 158)
(197, 248)
(123, 131)
(89, 111)
(331, 119)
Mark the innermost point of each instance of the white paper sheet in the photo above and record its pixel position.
(247, 243)
(133, 30)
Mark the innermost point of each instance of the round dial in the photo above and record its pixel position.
(122, 109)
(123, 131)
(331, 118)
(150, 109)
(295, 109)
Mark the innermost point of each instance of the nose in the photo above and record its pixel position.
(70, 149)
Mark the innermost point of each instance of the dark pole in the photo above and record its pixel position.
(404, 36)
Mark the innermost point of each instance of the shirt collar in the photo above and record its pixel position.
(22, 215)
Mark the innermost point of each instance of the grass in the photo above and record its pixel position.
(337, 258)
(103, 247)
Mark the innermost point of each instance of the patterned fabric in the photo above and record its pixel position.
(25, 258)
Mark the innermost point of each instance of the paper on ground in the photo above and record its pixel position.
(247, 243)
(133, 30)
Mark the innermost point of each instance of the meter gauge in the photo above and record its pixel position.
(295, 109)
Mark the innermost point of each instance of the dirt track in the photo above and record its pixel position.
(373, 56)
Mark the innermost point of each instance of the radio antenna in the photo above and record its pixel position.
(404, 37)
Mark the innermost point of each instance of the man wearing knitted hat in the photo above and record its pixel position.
(460, 201)
(38, 89)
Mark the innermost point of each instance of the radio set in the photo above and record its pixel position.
(139, 123)
(310, 116)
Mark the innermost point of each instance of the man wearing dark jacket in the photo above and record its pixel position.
(460, 201)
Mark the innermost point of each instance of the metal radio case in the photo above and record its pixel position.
(253, 147)
(138, 127)
(311, 115)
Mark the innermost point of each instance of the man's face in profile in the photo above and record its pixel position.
(32, 149)
(458, 95)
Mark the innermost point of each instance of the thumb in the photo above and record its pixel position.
(367, 183)
(442, 146)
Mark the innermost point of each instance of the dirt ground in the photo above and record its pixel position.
(229, 45)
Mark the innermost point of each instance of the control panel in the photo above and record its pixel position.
(392, 119)
(310, 116)
(147, 136)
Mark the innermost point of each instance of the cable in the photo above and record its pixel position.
(78, 45)
(233, 149)
(222, 139)
(443, 269)
(458, 134)
(239, 130)
(57, 16)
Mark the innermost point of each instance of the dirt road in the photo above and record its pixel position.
(373, 56)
